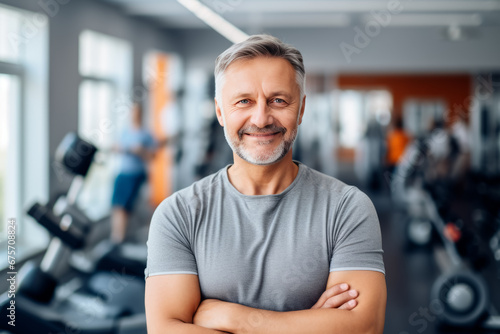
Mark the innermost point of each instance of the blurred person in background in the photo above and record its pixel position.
(136, 147)
(373, 154)
(443, 150)
(460, 130)
(397, 140)
(440, 158)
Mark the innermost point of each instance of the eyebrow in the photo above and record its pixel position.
(282, 93)
(239, 95)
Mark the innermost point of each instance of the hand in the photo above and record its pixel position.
(338, 296)
(213, 314)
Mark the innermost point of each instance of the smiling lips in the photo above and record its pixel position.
(262, 135)
(267, 133)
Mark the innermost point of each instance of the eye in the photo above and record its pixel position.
(278, 101)
(244, 101)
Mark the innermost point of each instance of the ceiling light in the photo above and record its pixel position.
(214, 20)
(432, 20)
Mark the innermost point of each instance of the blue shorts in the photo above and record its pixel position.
(126, 189)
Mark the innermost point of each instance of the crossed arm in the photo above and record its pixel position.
(173, 305)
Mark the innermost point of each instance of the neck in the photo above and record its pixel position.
(251, 179)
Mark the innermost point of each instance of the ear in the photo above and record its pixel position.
(218, 112)
(302, 108)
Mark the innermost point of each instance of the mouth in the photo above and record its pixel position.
(262, 135)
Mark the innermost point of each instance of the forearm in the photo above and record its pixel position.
(317, 321)
(180, 327)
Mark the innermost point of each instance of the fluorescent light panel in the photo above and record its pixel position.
(268, 20)
(214, 20)
(432, 20)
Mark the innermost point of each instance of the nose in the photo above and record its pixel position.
(261, 115)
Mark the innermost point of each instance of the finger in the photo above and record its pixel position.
(329, 293)
(339, 300)
(349, 305)
(332, 291)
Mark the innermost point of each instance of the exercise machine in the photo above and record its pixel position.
(407, 186)
(101, 302)
(460, 295)
(461, 292)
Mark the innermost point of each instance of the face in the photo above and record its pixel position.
(260, 109)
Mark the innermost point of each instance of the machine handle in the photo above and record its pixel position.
(52, 223)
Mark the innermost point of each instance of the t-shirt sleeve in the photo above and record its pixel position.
(357, 238)
(169, 246)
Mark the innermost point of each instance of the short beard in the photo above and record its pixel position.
(262, 160)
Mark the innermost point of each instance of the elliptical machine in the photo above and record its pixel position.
(406, 189)
(461, 292)
(460, 295)
(102, 302)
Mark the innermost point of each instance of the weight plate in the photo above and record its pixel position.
(463, 296)
(419, 232)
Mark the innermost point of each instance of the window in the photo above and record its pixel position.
(378, 104)
(9, 117)
(10, 26)
(419, 115)
(23, 126)
(9, 150)
(104, 99)
(94, 124)
(104, 56)
(357, 109)
(350, 118)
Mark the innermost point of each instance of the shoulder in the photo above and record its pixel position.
(192, 195)
(325, 183)
(334, 189)
(179, 212)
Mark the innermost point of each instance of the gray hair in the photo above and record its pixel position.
(259, 46)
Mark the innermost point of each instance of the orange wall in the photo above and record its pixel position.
(454, 89)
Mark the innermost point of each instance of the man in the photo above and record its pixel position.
(266, 245)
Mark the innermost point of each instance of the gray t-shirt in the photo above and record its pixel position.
(271, 252)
